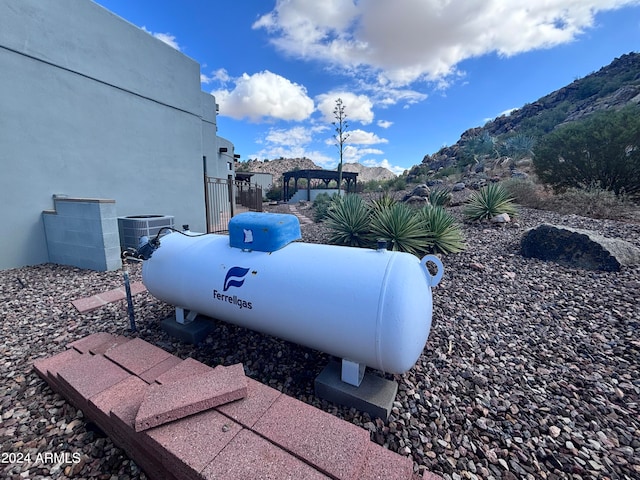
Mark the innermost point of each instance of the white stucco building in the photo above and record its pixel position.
(92, 106)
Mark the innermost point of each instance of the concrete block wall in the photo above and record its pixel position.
(83, 232)
(301, 194)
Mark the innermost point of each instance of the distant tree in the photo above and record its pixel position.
(341, 135)
(602, 150)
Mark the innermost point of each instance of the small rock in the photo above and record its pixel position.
(501, 218)
(491, 455)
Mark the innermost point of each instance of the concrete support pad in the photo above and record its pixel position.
(375, 395)
(194, 332)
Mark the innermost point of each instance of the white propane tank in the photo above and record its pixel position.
(371, 307)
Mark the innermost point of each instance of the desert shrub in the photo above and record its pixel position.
(592, 202)
(603, 150)
(349, 220)
(443, 235)
(445, 172)
(418, 173)
(274, 194)
(545, 121)
(488, 202)
(397, 184)
(401, 228)
(524, 192)
(440, 197)
(371, 186)
(321, 206)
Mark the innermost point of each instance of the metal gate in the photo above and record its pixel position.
(225, 198)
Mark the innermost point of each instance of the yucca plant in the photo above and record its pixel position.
(440, 197)
(443, 234)
(349, 220)
(383, 202)
(401, 227)
(488, 202)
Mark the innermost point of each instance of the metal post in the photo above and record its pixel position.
(127, 288)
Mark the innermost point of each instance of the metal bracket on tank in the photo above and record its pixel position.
(352, 372)
(180, 317)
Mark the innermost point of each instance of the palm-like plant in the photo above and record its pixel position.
(349, 219)
(400, 226)
(443, 235)
(488, 202)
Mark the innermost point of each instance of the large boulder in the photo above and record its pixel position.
(578, 248)
(419, 191)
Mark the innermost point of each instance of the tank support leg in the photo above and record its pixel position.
(182, 319)
(352, 372)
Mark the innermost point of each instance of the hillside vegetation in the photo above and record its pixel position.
(611, 88)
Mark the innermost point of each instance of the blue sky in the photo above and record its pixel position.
(413, 74)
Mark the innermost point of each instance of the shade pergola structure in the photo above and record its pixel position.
(244, 177)
(323, 176)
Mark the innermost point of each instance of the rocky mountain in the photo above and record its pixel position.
(280, 166)
(612, 87)
(366, 174)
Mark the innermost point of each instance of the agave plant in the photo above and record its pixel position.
(443, 235)
(348, 219)
(440, 197)
(400, 226)
(519, 146)
(488, 202)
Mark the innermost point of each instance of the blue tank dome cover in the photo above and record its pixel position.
(263, 232)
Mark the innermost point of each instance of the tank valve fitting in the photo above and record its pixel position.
(146, 247)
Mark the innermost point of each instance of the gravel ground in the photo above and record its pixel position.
(531, 369)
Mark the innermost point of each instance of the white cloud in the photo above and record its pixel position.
(506, 113)
(292, 137)
(294, 143)
(403, 41)
(265, 95)
(219, 75)
(384, 123)
(359, 137)
(357, 107)
(353, 154)
(298, 142)
(164, 37)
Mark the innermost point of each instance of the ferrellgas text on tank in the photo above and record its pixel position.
(232, 299)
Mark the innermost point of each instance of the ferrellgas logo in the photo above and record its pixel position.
(235, 277)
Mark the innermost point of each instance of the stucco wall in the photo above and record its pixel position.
(94, 107)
